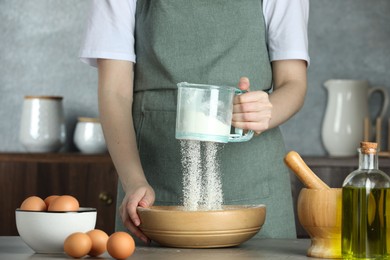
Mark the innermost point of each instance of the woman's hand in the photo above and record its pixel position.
(251, 110)
(258, 111)
(141, 195)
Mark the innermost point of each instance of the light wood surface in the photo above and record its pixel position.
(13, 248)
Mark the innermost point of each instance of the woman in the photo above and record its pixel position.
(144, 48)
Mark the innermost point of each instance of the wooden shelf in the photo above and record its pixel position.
(92, 179)
(327, 161)
(55, 157)
(88, 176)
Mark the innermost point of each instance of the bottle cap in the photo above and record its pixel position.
(368, 147)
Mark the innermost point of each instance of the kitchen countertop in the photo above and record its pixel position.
(13, 248)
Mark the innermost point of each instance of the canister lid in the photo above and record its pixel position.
(368, 147)
(89, 119)
(44, 97)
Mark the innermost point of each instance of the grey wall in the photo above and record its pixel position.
(39, 46)
(40, 40)
(347, 39)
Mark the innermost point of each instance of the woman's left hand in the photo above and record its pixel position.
(252, 110)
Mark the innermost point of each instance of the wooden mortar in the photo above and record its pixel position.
(319, 210)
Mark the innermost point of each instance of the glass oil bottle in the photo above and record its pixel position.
(366, 201)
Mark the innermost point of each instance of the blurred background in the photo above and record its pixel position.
(40, 40)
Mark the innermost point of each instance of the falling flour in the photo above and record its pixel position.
(212, 186)
(192, 175)
(202, 186)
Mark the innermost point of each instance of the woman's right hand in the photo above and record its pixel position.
(140, 195)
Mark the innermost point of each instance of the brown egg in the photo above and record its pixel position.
(33, 203)
(77, 245)
(99, 242)
(120, 245)
(50, 199)
(64, 203)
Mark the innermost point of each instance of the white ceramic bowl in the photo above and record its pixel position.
(45, 232)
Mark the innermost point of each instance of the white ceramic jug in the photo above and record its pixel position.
(347, 106)
(42, 127)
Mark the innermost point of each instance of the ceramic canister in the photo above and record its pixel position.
(42, 127)
(88, 136)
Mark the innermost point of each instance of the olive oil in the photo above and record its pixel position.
(365, 226)
(365, 201)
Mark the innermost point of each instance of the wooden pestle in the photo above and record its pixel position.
(294, 161)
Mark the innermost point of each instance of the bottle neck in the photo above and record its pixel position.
(368, 161)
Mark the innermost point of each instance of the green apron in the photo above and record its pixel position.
(207, 42)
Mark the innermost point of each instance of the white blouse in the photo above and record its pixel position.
(110, 30)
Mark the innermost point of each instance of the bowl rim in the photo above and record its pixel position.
(179, 208)
(79, 211)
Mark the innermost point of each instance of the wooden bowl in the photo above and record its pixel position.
(319, 212)
(173, 227)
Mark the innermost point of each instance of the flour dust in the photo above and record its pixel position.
(202, 185)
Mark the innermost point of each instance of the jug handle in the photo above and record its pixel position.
(385, 99)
